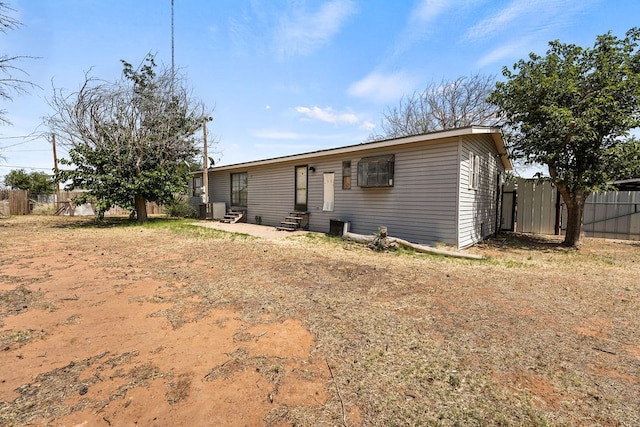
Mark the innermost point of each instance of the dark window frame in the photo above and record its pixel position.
(196, 184)
(239, 189)
(346, 175)
(299, 205)
(376, 171)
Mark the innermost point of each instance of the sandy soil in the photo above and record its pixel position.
(121, 325)
(105, 348)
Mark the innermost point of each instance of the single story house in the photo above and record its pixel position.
(441, 187)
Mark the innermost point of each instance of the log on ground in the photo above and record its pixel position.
(361, 238)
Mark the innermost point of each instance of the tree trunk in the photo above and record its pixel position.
(141, 208)
(575, 211)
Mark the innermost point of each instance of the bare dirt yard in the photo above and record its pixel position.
(117, 324)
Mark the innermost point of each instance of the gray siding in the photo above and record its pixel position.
(478, 207)
(270, 191)
(220, 187)
(420, 207)
(429, 203)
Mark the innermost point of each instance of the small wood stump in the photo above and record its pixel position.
(382, 241)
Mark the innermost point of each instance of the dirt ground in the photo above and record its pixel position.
(168, 324)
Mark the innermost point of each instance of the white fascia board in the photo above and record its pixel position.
(472, 130)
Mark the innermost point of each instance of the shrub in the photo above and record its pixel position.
(180, 208)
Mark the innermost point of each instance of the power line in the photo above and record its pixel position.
(23, 151)
(27, 139)
(23, 167)
(17, 137)
(17, 143)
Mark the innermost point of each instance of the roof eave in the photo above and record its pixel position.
(471, 130)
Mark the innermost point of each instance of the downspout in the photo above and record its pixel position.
(499, 189)
(458, 184)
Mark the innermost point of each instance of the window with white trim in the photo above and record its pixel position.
(474, 171)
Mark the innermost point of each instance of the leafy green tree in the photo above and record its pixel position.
(35, 182)
(130, 141)
(568, 110)
(41, 183)
(625, 160)
(17, 179)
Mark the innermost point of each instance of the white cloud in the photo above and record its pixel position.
(240, 33)
(367, 125)
(428, 10)
(421, 21)
(276, 134)
(300, 32)
(328, 115)
(383, 88)
(505, 51)
(525, 17)
(499, 20)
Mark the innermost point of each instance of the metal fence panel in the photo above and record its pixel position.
(613, 215)
(536, 207)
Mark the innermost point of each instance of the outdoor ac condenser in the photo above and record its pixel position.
(219, 210)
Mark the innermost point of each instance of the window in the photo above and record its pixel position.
(346, 175)
(474, 171)
(197, 186)
(239, 189)
(376, 171)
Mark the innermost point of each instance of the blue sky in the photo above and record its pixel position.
(283, 77)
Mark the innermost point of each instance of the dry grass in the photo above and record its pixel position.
(534, 335)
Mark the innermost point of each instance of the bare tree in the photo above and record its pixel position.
(9, 83)
(446, 105)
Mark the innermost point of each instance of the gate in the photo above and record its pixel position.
(531, 207)
(537, 207)
(509, 207)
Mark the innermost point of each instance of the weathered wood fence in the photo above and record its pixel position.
(539, 209)
(19, 202)
(14, 202)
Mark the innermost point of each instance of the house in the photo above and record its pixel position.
(442, 187)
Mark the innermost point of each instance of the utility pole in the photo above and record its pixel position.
(55, 164)
(205, 164)
(173, 76)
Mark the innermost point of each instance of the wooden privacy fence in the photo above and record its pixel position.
(14, 202)
(17, 202)
(66, 198)
(539, 209)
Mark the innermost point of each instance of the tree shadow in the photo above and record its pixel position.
(527, 242)
(113, 222)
